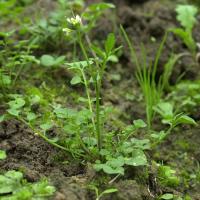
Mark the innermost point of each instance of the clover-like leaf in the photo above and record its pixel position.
(139, 123)
(140, 143)
(17, 103)
(138, 158)
(31, 116)
(98, 167)
(65, 113)
(104, 152)
(45, 127)
(110, 170)
(119, 162)
(90, 141)
(154, 135)
(70, 129)
(13, 112)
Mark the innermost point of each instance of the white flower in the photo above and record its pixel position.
(67, 31)
(74, 21)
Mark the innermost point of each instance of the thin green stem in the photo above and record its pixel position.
(161, 138)
(88, 95)
(98, 127)
(85, 55)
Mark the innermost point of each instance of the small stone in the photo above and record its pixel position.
(89, 171)
(59, 100)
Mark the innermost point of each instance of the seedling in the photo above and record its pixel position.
(186, 16)
(11, 182)
(164, 175)
(105, 192)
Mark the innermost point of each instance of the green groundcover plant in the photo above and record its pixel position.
(12, 62)
(84, 129)
(186, 16)
(14, 187)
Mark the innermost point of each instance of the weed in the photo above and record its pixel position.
(186, 16)
(105, 192)
(195, 175)
(152, 95)
(164, 175)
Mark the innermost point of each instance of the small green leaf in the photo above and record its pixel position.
(14, 112)
(65, 113)
(186, 15)
(45, 127)
(47, 60)
(53, 140)
(2, 154)
(34, 99)
(101, 6)
(98, 167)
(110, 170)
(109, 191)
(64, 162)
(109, 44)
(113, 58)
(18, 103)
(130, 128)
(10, 33)
(90, 141)
(167, 196)
(31, 116)
(186, 119)
(116, 49)
(119, 162)
(75, 80)
(59, 60)
(140, 143)
(139, 123)
(82, 99)
(154, 135)
(69, 129)
(3, 117)
(138, 158)
(104, 152)
(98, 51)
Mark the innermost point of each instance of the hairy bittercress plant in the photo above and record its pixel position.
(85, 128)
